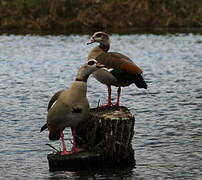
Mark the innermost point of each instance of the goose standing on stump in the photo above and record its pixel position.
(119, 70)
(69, 107)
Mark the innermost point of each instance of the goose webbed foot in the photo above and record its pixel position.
(116, 105)
(65, 152)
(105, 106)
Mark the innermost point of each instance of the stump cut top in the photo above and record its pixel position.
(106, 137)
(112, 113)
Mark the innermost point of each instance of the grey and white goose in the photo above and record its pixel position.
(119, 69)
(67, 108)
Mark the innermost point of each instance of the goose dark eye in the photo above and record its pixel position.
(91, 63)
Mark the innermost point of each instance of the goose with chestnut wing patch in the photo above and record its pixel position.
(119, 71)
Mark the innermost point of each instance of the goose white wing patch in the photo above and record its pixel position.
(108, 69)
(53, 104)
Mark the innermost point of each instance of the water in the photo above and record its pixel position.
(168, 114)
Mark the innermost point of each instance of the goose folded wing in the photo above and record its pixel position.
(126, 77)
(118, 61)
(54, 99)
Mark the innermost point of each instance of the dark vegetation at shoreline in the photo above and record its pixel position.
(77, 16)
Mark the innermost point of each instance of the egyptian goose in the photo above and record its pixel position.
(119, 70)
(67, 108)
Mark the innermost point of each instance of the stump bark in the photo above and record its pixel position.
(106, 138)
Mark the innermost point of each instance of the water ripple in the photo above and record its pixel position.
(168, 114)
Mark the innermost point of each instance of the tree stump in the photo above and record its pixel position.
(106, 138)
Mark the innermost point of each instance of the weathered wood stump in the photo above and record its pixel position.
(106, 138)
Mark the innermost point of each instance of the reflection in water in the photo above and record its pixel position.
(97, 174)
(168, 114)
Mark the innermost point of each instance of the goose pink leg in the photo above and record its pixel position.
(118, 96)
(109, 103)
(64, 150)
(109, 96)
(74, 148)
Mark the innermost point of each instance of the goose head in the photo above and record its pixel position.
(87, 69)
(100, 37)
